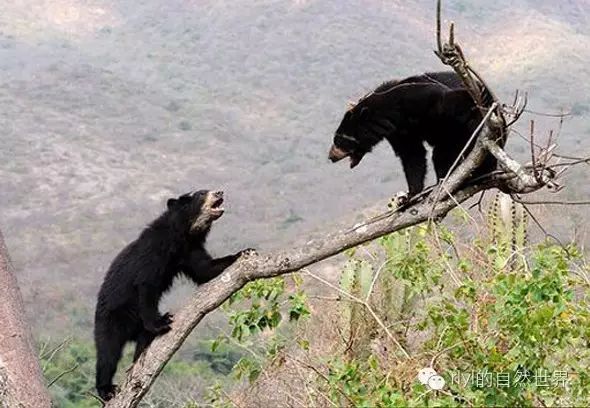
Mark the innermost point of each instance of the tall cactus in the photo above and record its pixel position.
(356, 279)
(508, 224)
(402, 263)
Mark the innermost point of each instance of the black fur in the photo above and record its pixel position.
(127, 307)
(434, 108)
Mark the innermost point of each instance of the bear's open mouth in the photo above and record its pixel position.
(216, 206)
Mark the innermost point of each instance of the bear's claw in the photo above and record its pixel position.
(400, 199)
(166, 319)
(249, 252)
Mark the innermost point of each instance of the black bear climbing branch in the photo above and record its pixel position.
(127, 308)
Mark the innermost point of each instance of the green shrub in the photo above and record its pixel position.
(509, 334)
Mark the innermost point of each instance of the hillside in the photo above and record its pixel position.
(109, 107)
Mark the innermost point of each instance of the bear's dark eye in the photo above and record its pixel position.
(346, 142)
(200, 193)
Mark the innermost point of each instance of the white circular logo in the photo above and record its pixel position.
(436, 382)
(425, 374)
(429, 377)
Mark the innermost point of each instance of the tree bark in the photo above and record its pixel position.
(21, 379)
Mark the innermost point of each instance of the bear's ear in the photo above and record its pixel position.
(171, 203)
(364, 113)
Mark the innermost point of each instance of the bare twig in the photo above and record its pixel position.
(568, 157)
(51, 353)
(60, 375)
(460, 156)
(550, 115)
(372, 287)
(516, 109)
(532, 143)
(570, 164)
(550, 202)
(448, 266)
(542, 228)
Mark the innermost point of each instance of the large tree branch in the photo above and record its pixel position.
(21, 380)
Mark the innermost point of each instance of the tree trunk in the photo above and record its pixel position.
(21, 379)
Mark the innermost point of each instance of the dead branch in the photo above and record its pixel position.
(63, 373)
(478, 158)
(548, 114)
(550, 202)
(517, 108)
(535, 177)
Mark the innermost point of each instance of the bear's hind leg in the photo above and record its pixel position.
(443, 158)
(109, 347)
(144, 339)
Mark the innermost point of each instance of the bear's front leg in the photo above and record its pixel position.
(414, 163)
(167, 318)
(151, 318)
(201, 268)
(221, 264)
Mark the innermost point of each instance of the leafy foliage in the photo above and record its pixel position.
(69, 369)
(506, 335)
(262, 305)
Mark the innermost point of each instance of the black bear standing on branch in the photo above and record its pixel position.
(435, 108)
(127, 308)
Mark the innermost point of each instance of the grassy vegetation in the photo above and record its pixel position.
(69, 369)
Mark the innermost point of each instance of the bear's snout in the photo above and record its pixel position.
(336, 154)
